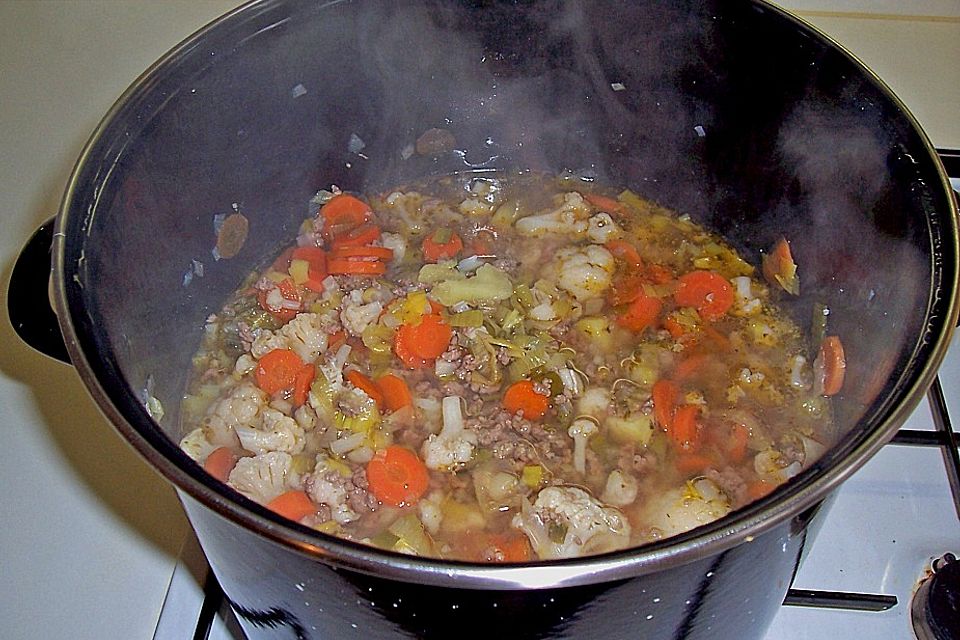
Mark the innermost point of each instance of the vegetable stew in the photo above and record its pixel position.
(508, 368)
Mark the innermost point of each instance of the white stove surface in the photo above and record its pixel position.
(92, 536)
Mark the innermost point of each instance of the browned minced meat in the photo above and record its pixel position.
(731, 483)
(360, 500)
(513, 438)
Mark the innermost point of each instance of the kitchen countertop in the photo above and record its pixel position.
(91, 533)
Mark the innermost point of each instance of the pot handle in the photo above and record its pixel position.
(29, 300)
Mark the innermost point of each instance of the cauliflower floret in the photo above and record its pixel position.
(774, 467)
(584, 272)
(396, 243)
(745, 302)
(621, 489)
(602, 229)
(264, 477)
(355, 315)
(196, 445)
(580, 431)
(454, 445)
(276, 432)
(306, 335)
(573, 216)
(241, 407)
(567, 522)
(687, 507)
(325, 486)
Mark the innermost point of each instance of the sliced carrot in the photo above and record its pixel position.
(675, 328)
(779, 269)
(289, 291)
(737, 444)
(366, 385)
(357, 267)
(293, 505)
(336, 339)
(690, 366)
(301, 384)
(665, 393)
(685, 429)
(759, 488)
(658, 274)
(623, 250)
(220, 463)
(277, 370)
(434, 251)
(397, 477)
(343, 213)
(418, 344)
(641, 313)
(690, 463)
(831, 365)
(361, 252)
(362, 235)
(706, 291)
(511, 547)
(396, 393)
(521, 397)
(482, 242)
(317, 272)
(604, 203)
(626, 287)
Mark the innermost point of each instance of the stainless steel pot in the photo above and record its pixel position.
(733, 112)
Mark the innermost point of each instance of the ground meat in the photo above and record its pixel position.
(520, 441)
(360, 500)
(731, 483)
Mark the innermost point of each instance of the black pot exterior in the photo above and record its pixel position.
(729, 111)
(279, 593)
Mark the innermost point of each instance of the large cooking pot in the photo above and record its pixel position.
(731, 111)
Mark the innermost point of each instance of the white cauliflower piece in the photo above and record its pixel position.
(567, 522)
(240, 408)
(745, 302)
(571, 217)
(580, 431)
(264, 477)
(601, 229)
(621, 488)
(196, 445)
(685, 508)
(324, 487)
(430, 509)
(305, 335)
(276, 432)
(396, 243)
(454, 445)
(356, 315)
(584, 272)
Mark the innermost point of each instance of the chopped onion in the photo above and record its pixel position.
(351, 442)
(452, 415)
(469, 265)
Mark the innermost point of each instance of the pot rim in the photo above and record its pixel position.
(807, 489)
